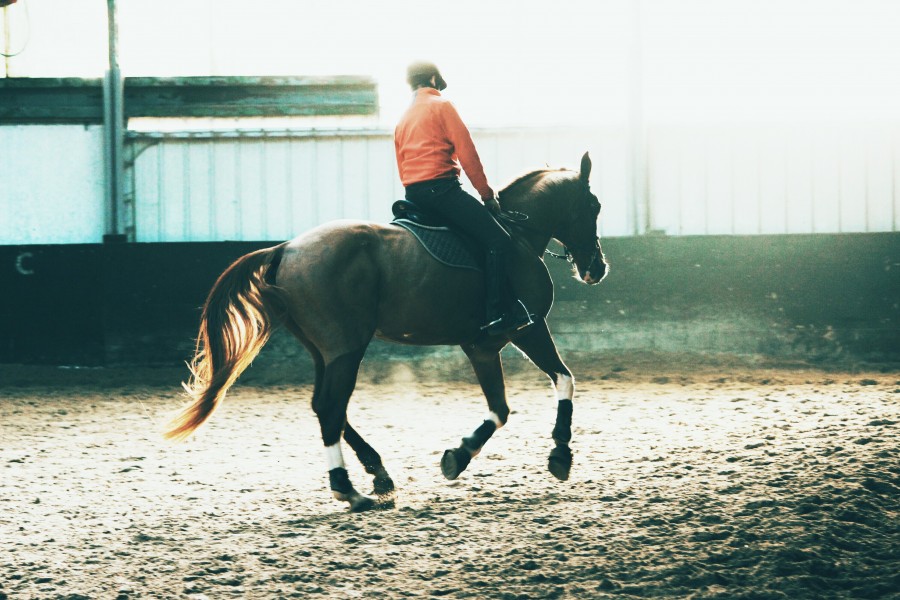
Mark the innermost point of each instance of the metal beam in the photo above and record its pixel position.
(69, 100)
(249, 96)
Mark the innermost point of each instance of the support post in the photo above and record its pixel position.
(637, 159)
(114, 131)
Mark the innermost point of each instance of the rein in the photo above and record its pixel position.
(513, 218)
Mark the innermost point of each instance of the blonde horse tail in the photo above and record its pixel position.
(236, 323)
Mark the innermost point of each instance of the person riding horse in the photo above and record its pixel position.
(344, 283)
(431, 142)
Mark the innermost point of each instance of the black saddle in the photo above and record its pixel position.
(445, 243)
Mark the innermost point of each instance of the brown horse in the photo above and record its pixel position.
(343, 283)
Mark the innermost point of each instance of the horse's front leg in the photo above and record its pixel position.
(489, 370)
(537, 344)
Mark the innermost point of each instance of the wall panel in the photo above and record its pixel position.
(52, 185)
(750, 180)
(271, 185)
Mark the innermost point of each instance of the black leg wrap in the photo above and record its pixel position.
(562, 432)
(480, 436)
(340, 481)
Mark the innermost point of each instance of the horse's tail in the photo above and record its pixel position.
(235, 325)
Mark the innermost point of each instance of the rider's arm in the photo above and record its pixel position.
(459, 135)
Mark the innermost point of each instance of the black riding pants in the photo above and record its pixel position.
(447, 198)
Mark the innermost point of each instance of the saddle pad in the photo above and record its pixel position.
(444, 245)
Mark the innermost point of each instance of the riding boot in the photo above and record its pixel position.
(516, 317)
(493, 279)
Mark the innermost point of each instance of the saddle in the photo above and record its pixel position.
(445, 243)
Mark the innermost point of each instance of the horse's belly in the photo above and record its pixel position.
(432, 305)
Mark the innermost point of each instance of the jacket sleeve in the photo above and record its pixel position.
(462, 142)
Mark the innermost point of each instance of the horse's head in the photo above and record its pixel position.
(578, 229)
(559, 204)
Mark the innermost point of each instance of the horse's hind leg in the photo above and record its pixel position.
(489, 370)
(330, 405)
(538, 345)
(371, 461)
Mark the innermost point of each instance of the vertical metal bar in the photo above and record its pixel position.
(812, 184)
(679, 187)
(894, 182)
(866, 170)
(648, 185)
(787, 186)
(732, 175)
(640, 209)
(109, 188)
(114, 120)
(7, 50)
(706, 207)
(840, 185)
(129, 193)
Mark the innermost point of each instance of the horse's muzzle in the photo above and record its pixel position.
(596, 271)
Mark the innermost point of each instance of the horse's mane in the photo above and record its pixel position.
(538, 181)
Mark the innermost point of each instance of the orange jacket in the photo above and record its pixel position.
(429, 139)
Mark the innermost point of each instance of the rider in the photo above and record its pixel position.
(431, 142)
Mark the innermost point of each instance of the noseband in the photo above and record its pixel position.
(518, 219)
(568, 256)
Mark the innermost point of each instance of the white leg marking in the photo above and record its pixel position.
(496, 419)
(333, 457)
(565, 387)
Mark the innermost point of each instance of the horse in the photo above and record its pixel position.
(343, 283)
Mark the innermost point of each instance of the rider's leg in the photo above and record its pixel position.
(505, 312)
(448, 199)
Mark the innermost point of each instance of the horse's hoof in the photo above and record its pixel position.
(455, 462)
(361, 503)
(385, 503)
(560, 462)
(449, 467)
(358, 502)
(383, 486)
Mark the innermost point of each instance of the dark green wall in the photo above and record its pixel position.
(800, 296)
(806, 297)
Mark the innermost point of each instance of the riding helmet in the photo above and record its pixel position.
(420, 73)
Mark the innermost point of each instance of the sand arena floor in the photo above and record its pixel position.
(722, 480)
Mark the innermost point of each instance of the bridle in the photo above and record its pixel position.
(517, 219)
(568, 256)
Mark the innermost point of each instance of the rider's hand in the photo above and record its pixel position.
(492, 205)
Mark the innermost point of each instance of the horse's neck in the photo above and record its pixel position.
(543, 217)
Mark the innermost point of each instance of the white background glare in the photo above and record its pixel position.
(509, 62)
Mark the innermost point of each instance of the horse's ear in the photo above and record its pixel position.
(585, 167)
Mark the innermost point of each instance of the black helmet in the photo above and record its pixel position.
(420, 73)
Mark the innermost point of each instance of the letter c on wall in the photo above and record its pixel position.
(20, 263)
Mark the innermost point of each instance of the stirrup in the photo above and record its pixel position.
(515, 320)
